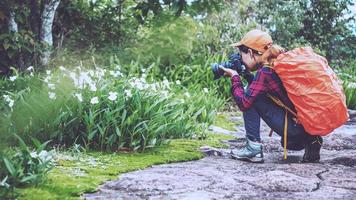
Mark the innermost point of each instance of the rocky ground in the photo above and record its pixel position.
(217, 176)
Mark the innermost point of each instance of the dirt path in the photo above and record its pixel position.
(219, 177)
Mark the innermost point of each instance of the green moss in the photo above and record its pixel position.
(75, 175)
(223, 121)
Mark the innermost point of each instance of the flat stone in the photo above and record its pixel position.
(219, 130)
(218, 177)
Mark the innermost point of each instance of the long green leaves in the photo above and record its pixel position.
(102, 109)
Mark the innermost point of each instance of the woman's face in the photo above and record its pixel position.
(250, 59)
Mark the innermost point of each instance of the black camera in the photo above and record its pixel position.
(235, 63)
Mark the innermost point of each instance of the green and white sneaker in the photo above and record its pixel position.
(252, 152)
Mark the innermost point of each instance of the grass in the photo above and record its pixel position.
(78, 173)
(75, 175)
(222, 120)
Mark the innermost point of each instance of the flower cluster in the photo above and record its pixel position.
(10, 101)
(95, 85)
(44, 156)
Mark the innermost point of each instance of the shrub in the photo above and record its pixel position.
(23, 166)
(102, 109)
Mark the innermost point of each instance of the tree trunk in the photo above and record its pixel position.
(12, 23)
(47, 17)
(13, 28)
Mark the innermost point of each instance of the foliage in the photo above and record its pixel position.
(348, 75)
(103, 110)
(332, 16)
(170, 39)
(24, 166)
(323, 24)
(147, 79)
(350, 92)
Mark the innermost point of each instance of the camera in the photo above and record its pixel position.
(235, 63)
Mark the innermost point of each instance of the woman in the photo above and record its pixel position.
(258, 53)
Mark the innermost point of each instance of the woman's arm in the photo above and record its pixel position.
(245, 99)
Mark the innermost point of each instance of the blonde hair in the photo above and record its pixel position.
(270, 55)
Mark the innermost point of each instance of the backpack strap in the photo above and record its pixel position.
(281, 104)
(287, 109)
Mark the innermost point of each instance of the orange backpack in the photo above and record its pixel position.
(314, 89)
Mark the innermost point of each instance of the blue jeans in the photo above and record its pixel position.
(274, 115)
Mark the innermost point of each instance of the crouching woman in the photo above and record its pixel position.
(258, 53)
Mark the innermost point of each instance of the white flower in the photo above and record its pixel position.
(94, 100)
(115, 73)
(83, 79)
(47, 79)
(166, 83)
(164, 93)
(13, 78)
(92, 88)
(178, 82)
(73, 76)
(52, 95)
(11, 103)
(352, 85)
(91, 72)
(187, 94)
(62, 68)
(79, 96)
(206, 90)
(112, 96)
(143, 70)
(8, 99)
(128, 93)
(100, 72)
(30, 68)
(154, 87)
(45, 156)
(51, 86)
(48, 72)
(33, 154)
(137, 84)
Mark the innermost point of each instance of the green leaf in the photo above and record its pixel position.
(92, 134)
(3, 182)
(118, 132)
(22, 143)
(27, 179)
(10, 167)
(36, 142)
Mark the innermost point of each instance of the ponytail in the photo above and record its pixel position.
(270, 55)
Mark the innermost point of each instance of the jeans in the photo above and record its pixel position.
(274, 116)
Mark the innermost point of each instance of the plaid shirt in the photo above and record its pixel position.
(265, 81)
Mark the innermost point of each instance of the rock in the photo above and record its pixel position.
(344, 160)
(219, 130)
(219, 177)
(352, 115)
(280, 181)
(210, 151)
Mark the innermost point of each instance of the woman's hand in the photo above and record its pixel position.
(228, 72)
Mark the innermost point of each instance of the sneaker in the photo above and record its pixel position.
(312, 150)
(252, 152)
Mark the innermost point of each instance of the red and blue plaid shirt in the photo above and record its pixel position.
(265, 81)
